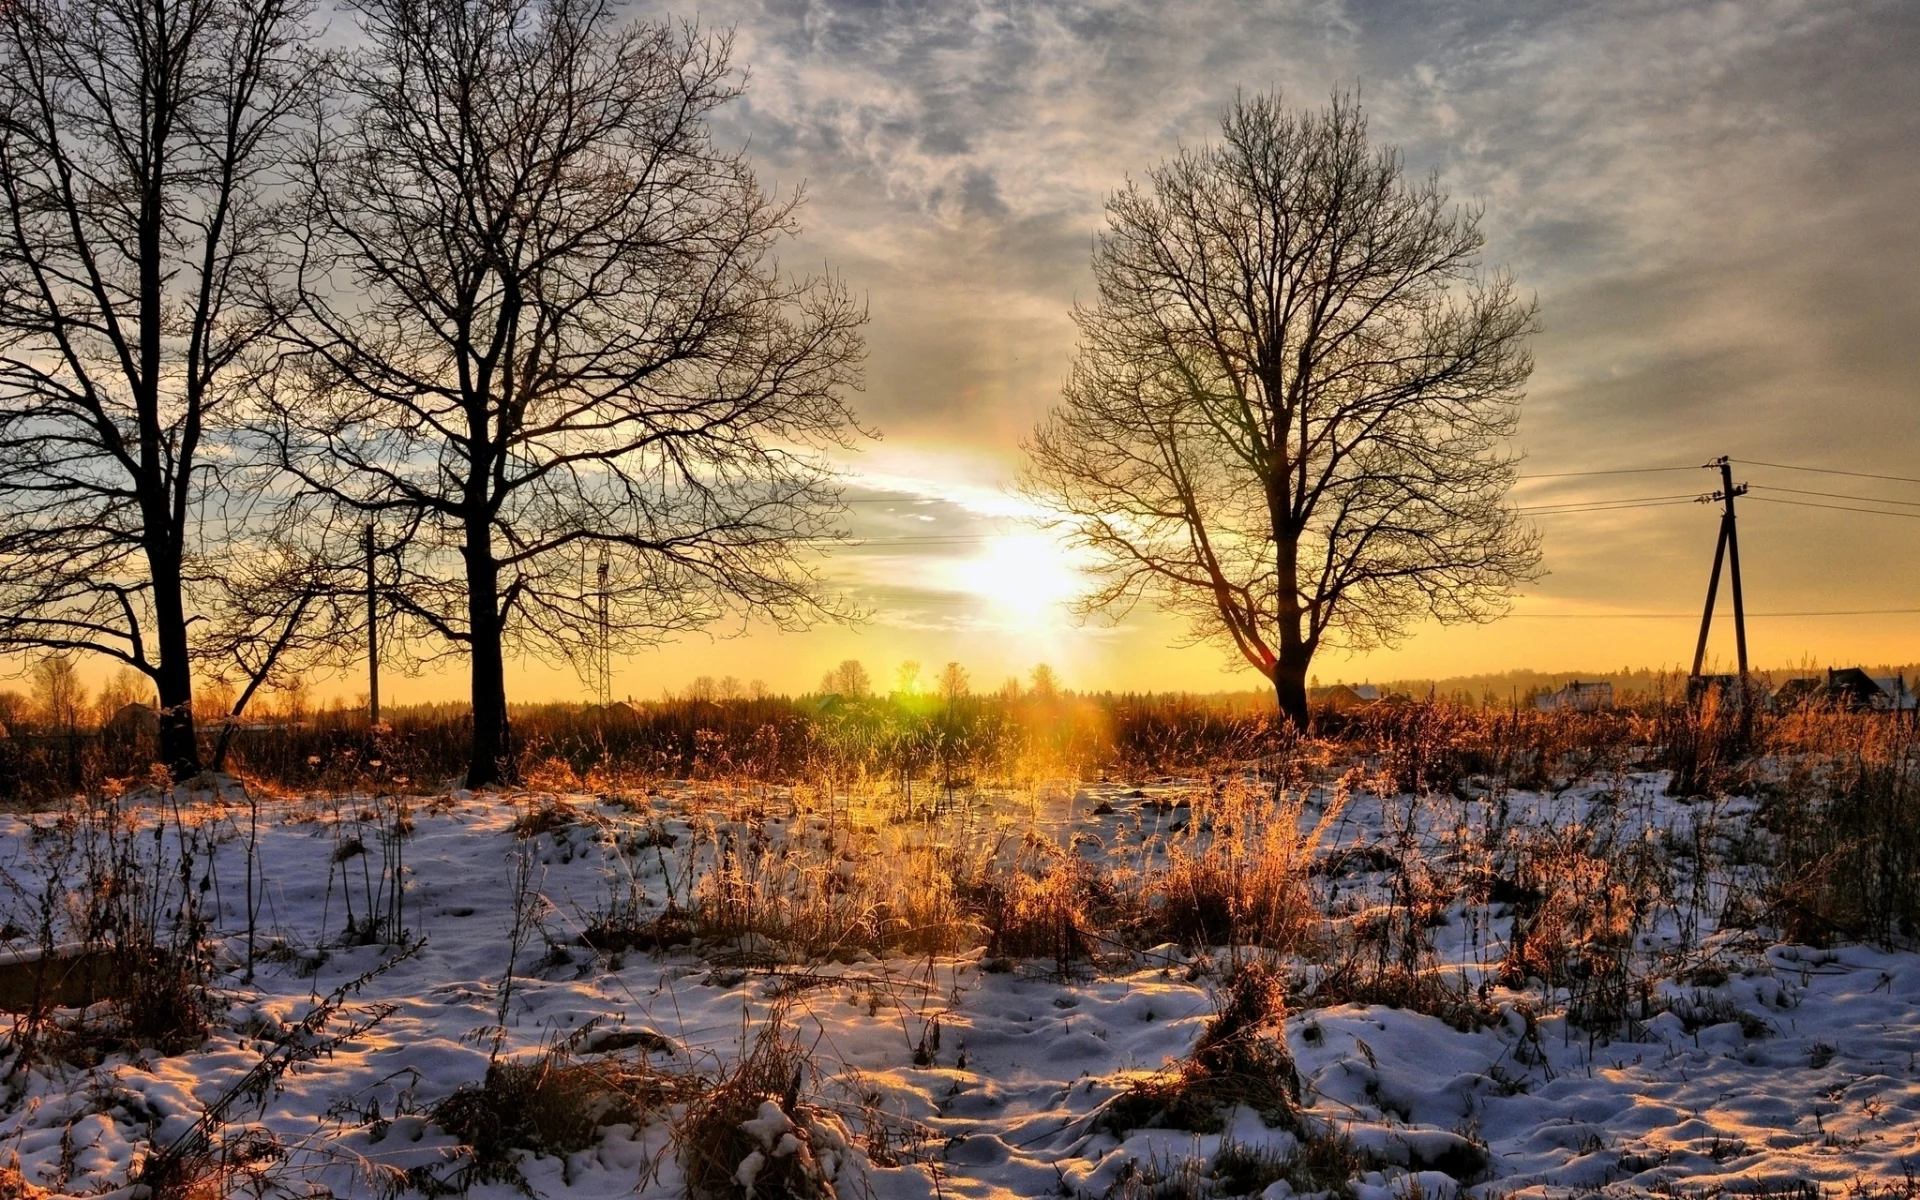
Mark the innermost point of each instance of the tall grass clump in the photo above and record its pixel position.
(1236, 875)
(1043, 910)
(1706, 742)
(116, 903)
(751, 1134)
(1845, 813)
(834, 884)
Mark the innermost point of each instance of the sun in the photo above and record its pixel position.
(1026, 576)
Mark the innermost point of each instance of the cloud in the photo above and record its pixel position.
(1713, 201)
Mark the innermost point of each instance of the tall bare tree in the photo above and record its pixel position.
(1289, 417)
(850, 678)
(138, 145)
(540, 328)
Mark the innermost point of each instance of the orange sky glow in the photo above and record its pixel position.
(1713, 204)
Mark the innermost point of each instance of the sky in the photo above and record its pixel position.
(1714, 204)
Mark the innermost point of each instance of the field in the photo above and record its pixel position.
(1441, 953)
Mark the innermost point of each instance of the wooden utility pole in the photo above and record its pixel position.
(604, 652)
(373, 637)
(1726, 551)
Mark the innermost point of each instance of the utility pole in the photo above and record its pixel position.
(373, 637)
(605, 664)
(1726, 551)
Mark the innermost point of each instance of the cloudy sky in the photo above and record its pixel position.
(1717, 205)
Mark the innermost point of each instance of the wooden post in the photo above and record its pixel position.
(604, 652)
(1728, 492)
(373, 637)
(1713, 592)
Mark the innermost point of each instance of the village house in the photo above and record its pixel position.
(1849, 688)
(1577, 696)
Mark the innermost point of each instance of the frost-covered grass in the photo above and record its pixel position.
(1177, 987)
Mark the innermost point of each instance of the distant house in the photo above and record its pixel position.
(1578, 697)
(1342, 697)
(1899, 696)
(1848, 688)
(619, 712)
(132, 723)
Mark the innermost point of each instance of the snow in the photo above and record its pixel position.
(1797, 1064)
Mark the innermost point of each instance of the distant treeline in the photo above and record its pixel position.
(1631, 685)
(910, 739)
(912, 742)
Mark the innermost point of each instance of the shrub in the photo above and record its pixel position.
(547, 816)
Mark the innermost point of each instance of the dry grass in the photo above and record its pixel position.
(120, 895)
(1847, 863)
(15, 1186)
(552, 1103)
(749, 1134)
(1319, 1163)
(1044, 915)
(1241, 1058)
(912, 863)
(1237, 875)
(832, 884)
(545, 815)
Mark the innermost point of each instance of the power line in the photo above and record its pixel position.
(1878, 512)
(1602, 501)
(1570, 508)
(1554, 510)
(1616, 471)
(1754, 462)
(1768, 487)
(1676, 616)
(1565, 508)
(916, 499)
(952, 539)
(964, 598)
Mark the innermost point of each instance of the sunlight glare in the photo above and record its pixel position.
(1027, 576)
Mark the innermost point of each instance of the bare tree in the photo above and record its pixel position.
(954, 683)
(138, 141)
(1289, 417)
(58, 695)
(539, 327)
(13, 706)
(906, 678)
(281, 613)
(1046, 682)
(848, 679)
(126, 686)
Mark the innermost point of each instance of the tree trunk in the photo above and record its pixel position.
(1290, 688)
(173, 678)
(490, 760)
(1290, 666)
(179, 749)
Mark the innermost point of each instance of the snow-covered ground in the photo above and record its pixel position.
(1758, 1067)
